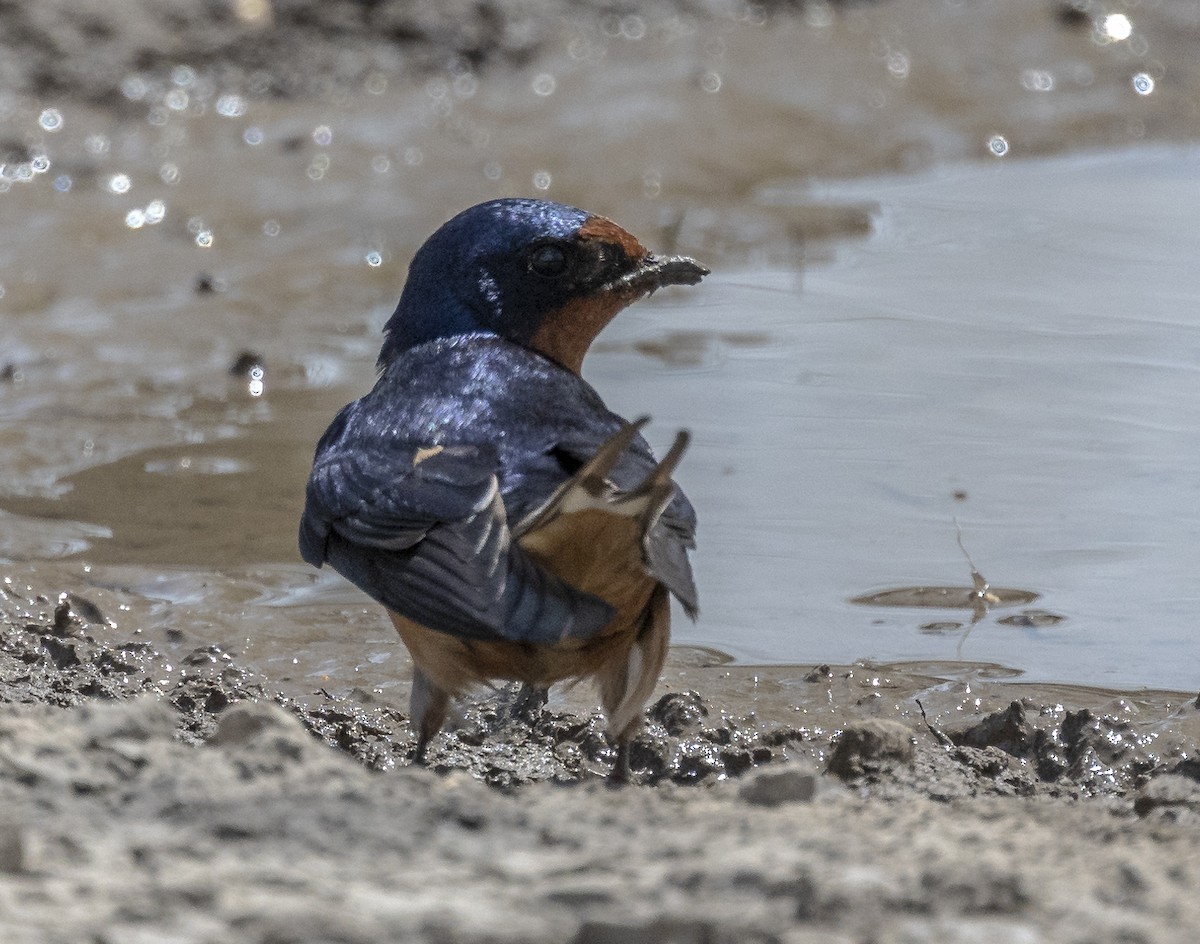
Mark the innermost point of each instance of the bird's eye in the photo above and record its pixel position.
(548, 260)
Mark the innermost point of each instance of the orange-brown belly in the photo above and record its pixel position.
(592, 550)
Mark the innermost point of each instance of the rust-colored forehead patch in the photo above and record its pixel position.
(599, 227)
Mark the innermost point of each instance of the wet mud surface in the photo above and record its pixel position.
(188, 799)
(188, 754)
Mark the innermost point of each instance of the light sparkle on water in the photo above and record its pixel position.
(231, 106)
(51, 119)
(1037, 80)
(150, 215)
(1116, 27)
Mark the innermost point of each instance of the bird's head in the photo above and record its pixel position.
(540, 274)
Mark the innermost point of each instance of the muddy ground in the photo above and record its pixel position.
(154, 791)
(141, 800)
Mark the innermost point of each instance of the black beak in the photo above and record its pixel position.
(652, 273)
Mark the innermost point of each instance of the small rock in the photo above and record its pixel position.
(1168, 791)
(1008, 730)
(245, 721)
(871, 744)
(696, 759)
(791, 784)
(62, 654)
(62, 618)
(679, 712)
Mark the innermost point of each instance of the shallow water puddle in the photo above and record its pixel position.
(1015, 348)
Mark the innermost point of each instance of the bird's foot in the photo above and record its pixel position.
(522, 703)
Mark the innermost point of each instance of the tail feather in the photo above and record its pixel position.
(625, 691)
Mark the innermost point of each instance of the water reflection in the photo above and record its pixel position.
(686, 348)
(950, 598)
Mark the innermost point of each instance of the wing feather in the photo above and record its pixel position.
(424, 531)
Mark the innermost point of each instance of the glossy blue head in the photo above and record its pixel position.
(539, 274)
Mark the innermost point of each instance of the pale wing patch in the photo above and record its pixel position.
(607, 499)
(426, 452)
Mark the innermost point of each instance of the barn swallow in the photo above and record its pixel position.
(512, 525)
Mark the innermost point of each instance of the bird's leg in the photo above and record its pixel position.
(621, 740)
(620, 774)
(427, 711)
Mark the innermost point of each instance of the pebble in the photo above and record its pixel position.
(243, 722)
(773, 786)
(1009, 730)
(1168, 791)
(871, 743)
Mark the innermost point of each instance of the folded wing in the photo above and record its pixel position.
(424, 531)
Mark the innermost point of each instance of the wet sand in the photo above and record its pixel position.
(154, 786)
